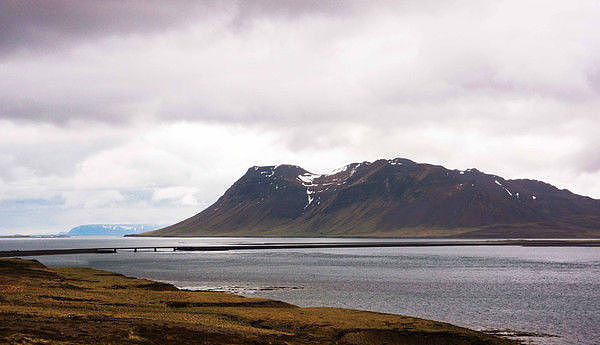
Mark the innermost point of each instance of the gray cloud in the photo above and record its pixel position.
(176, 99)
(48, 25)
(295, 61)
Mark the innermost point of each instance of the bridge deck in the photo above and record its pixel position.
(308, 245)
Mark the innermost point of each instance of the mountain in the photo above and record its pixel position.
(391, 198)
(110, 229)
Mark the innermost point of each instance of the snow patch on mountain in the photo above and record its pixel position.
(339, 170)
(267, 173)
(394, 162)
(308, 178)
(309, 197)
(353, 171)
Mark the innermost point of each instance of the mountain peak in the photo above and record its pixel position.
(290, 170)
(391, 197)
(286, 170)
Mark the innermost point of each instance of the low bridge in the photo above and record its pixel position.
(307, 245)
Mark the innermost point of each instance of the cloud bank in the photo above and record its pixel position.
(128, 111)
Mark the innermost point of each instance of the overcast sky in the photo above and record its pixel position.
(146, 111)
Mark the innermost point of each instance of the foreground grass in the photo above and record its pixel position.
(74, 305)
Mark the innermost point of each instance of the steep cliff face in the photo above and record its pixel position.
(391, 198)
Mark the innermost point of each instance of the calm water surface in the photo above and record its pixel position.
(543, 290)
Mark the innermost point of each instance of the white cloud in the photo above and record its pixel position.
(179, 194)
(139, 118)
(91, 199)
(386, 60)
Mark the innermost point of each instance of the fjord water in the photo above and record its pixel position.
(543, 290)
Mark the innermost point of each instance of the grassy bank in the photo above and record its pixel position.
(72, 305)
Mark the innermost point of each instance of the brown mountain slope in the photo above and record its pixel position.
(396, 198)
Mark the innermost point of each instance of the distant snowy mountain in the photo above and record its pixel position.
(111, 229)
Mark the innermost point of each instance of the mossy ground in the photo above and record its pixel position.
(39, 305)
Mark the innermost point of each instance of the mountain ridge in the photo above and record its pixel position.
(110, 229)
(391, 198)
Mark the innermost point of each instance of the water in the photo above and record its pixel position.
(542, 290)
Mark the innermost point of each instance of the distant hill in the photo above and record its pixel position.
(111, 229)
(395, 198)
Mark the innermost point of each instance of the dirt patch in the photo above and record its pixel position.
(69, 299)
(157, 286)
(83, 330)
(109, 274)
(81, 280)
(250, 304)
(119, 304)
(66, 286)
(10, 285)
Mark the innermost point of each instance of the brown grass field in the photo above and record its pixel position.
(72, 305)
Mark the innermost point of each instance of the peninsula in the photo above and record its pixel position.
(85, 306)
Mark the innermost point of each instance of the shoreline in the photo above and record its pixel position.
(70, 305)
(310, 245)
